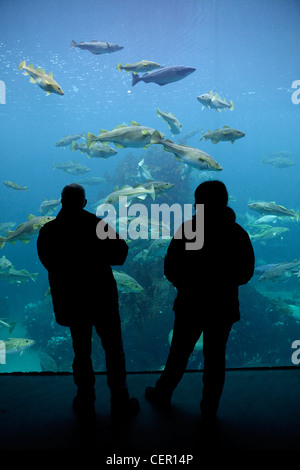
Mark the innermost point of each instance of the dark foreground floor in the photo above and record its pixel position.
(260, 410)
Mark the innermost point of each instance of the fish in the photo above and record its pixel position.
(279, 162)
(280, 271)
(9, 326)
(5, 226)
(15, 186)
(160, 187)
(225, 134)
(18, 276)
(77, 170)
(126, 283)
(173, 123)
(17, 345)
(130, 193)
(26, 230)
(266, 219)
(98, 150)
(47, 362)
(213, 101)
(70, 167)
(48, 206)
(96, 47)
(92, 181)
(268, 232)
(143, 66)
(143, 171)
(194, 157)
(164, 75)
(68, 139)
(274, 209)
(43, 80)
(122, 136)
(5, 264)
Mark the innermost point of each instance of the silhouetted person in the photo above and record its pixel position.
(207, 282)
(84, 294)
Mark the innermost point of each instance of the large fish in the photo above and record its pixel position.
(280, 271)
(173, 123)
(143, 66)
(189, 155)
(126, 283)
(98, 150)
(274, 209)
(25, 231)
(15, 186)
(96, 47)
(160, 187)
(130, 193)
(18, 276)
(68, 139)
(213, 101)
(43, 80)
(135, 136)
(224, 134)
(164, 75)
(17, 345)
(9, 326)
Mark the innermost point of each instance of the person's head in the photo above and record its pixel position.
(73, 197)
(213, 194)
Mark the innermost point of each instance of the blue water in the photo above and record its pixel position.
(246, 51)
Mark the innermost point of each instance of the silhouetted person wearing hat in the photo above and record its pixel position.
(207, 281)
(84, 294)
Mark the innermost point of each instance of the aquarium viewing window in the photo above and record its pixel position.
(207, 89)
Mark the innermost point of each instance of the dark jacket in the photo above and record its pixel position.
(207, 280)
(79, 266)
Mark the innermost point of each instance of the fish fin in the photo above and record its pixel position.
(156, 138)
(152, 192)
(73, 44)
(134, 123)
(231, 107)
(50, 74)
(232, 141)
(116, 189)
(73, 146)
(120, 126)
(12, 326)
(126, 186)
(2, 242)
(144, 132)
(119, 66)
(142, 196)
(24, 240)
(30, 217)
(32, 80)
(90, 140)
(135, 79)
(141, 162)
(214, 141)
(22, 64)
(158, 112)
(119, 146)
(13, 242)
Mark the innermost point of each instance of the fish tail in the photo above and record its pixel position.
(90, 140)
(74, 146)
(158, 112)
(73, 44)
(156, 138)
(33, 277)
(22, 64)
(119, 66)
(2, 242)
(231, 107)
(135, 79)
(152, 192)
(297, 216)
